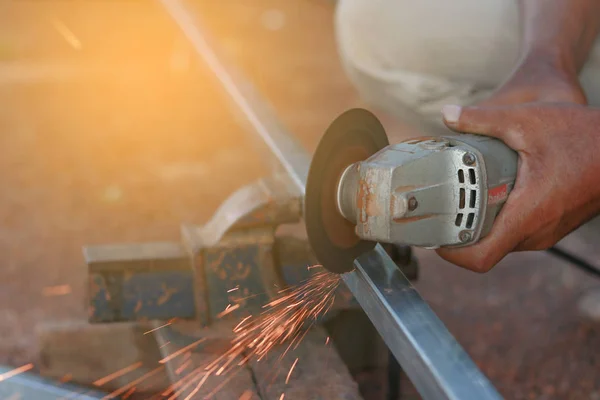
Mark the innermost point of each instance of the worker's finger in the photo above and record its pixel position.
(506, 234)
(489, 121)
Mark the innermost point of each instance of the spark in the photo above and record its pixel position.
(15, 371)
(283, 320)
(234, 289)
(247, 395)
(129, 393)
(197, 375)
(193, 374)
(125, 388)
(181, 351)
(239, 326)
(314, 266)
(182, 367)
(59, 290)
(158, 327)
(282, 396)
(295, 304)
(287, 379)
(163, 345)
(229, 309)
(327, 341)
(221, 385)
(117, 374)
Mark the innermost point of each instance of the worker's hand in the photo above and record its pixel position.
(558, 180)
(538, 79)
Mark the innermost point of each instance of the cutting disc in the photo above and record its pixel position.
(353, 136)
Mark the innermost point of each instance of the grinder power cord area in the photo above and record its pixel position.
(426, 192)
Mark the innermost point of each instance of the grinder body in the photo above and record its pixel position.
(428, 192)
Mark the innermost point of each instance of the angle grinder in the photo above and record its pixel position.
(431, 192)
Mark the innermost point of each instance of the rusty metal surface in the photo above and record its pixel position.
(234, 278)
(245, 270)
(234, 250)
(139, 281)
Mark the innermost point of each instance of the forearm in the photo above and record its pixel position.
(561, 32)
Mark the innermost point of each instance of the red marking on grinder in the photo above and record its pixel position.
(497, 194)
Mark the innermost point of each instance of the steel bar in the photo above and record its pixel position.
(433, 360)
(436, 364)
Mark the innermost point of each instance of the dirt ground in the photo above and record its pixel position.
(112, 131)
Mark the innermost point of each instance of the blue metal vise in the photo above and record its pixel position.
(235, 258)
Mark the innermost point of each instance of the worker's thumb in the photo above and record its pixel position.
(490, 121)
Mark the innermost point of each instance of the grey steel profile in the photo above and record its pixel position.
(433, 360)
(435, 363)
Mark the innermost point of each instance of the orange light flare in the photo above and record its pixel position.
(16, 371)
(58, 290)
